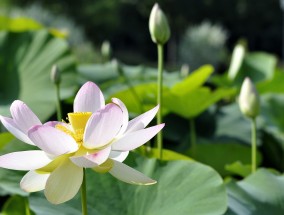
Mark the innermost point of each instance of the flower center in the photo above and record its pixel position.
(78, 123)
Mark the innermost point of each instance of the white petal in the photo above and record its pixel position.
(129, 175)
(23, 116)
(142, 120)
(135, 139)
(103, 126)
(25, 160)
(52, 140)
(63, 183)
(83, 162)
(33, 182)
(118, 156)
(89, 98)
(92, 160)
(12, 127)
(125, 115)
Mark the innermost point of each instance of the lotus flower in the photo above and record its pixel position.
(98, 136)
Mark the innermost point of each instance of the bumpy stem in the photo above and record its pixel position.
(58, 104)
(83, 194)
(159, 98)
(253, 145)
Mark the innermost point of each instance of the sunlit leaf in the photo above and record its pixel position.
(193, 81)
(18, 24)
(183, 187)
(237, 168)
(168, 155)
(195, 102)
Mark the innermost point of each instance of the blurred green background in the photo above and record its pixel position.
(214, 45)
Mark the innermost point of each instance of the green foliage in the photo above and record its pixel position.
(219, 155)
(193, 81)
(259, 66)
(15, 205)
(259, 194)
(25, 61)
(168, 155)
(183, 187)
(239, 169)
(194, 103)
(19, 24)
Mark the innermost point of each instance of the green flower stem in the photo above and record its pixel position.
(253, 145)
(192, 136)
(27, 206)
(58, 104)
(83, 194)
(159, 99)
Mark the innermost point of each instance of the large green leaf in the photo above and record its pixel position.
(231, 124)
(183, 187)
(193, 103)
(195, 80)
(259, 194)
(140, 98)
(274, 85)
(15, 205)
(272, 111)
(168, 155)
(113, 74)
(259, 66)
(25, 62)
(18, 24)
(218, 155)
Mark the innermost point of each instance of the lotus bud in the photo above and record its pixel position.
(158, 26)
(55, 75)
(184, 70)
(117, 66)
(106, 50)
(249, 99)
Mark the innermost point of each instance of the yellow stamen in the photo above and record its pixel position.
(79, 120)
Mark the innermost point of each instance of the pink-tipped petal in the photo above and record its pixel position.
(135, 139)
(89, 98)
(129, 175)
(23, 116)
(24, 160)
(125, 115)
(118, 156)
(33, 182)
(12, 128)
(52, 123)
(52, 140)
(103, 126)
(63, 183)
(142, 120)
(92, 160)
